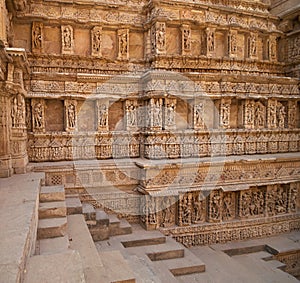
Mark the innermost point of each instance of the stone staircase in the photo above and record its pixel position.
(65, 250)
(153, 256)
(103, 225)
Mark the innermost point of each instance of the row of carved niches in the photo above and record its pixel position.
(124, 43)
(50, 115)
(199, 207)
(69, 146)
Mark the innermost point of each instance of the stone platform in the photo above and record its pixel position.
(19, 217)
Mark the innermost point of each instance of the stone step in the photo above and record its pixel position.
(116, 268)
(102, 218)
(52, 209)
(123, 228)
(74, 206)
(99, 233)
(52, 193)
(52, 227)
(53, 245)
(276, 264)
(81, 241)
(164, 255)
(114, 221)
(144, 242)
(189, 264)
(49, 268)
(89, 212)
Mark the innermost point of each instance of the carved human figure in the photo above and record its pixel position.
(71, 115)
(186, 38)
(160, 36)
(152, 218)
(198, 209)
(97, 41)
(185, 210)
(210, 41)
(227, 207)
(170, 119)
(123, 44)
(259, 115)
(103, 114)
(199, 115)
(281, 116)
(131, 114)
(167, 213)
(215, 206)
(252, 45)
(38, 115)
(292, 114)
(233, 43)
(224, 117)
(157, 115)
(67, 37)
(250, 112)
(272, 115)
(37, 36)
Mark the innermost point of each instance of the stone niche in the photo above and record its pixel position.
(87, 116)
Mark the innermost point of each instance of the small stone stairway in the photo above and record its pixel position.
(103, 225)
(153, 256)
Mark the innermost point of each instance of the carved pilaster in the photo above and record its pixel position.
(38, 115)
(96, 39)
(37, 37)
(67, 39)
(131, 114)
(158, 38)
(232, 43)
(123, 43)
(252, 46)
(70, 115)
(224, 116)
(186, 35)
(170, 114)
(102, 114)
(272, 118)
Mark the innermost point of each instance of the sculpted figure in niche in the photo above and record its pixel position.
(67, 38)
(225, 108)
(250, 112)
(97, 41)
(186, 211)
(281, 116)
(131, 115)
(211, 41)
(157, 113)
(199, 209)
(186, 39)
(170, 113)
(38, 115)
(292, 115)
(272, 113)
(227, 206)
(259, 115)
(233, 43)
(253, 45)
(215, 207)
(199, 115)
(37, 36)
(71, 115)
(160, 37)
(167, 212)
(103, 115)
(123, 43)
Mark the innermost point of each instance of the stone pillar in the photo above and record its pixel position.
(96, 39)
(158, 38)
(102, 114)
(232, 43)
(170, 114)
(70, 115)
(38, 115)
(37, 37)
(131, 115)
(186, 35)
(67, 39)
(123, 44)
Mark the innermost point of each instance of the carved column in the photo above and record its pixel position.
(210, 42)
(67, 39)
(272, 119)
(131, 114)
(102, 114)
(38, 115)
(70, 115)
(249, 114)
(252, 46)
(186, 35)
(158, 38)
(96, 39)
(170, 114)
(292, 114)
(37, 37)
(123, 44)
(224, 116)
(232, 43)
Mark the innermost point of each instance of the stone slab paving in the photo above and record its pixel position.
(18, 222)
